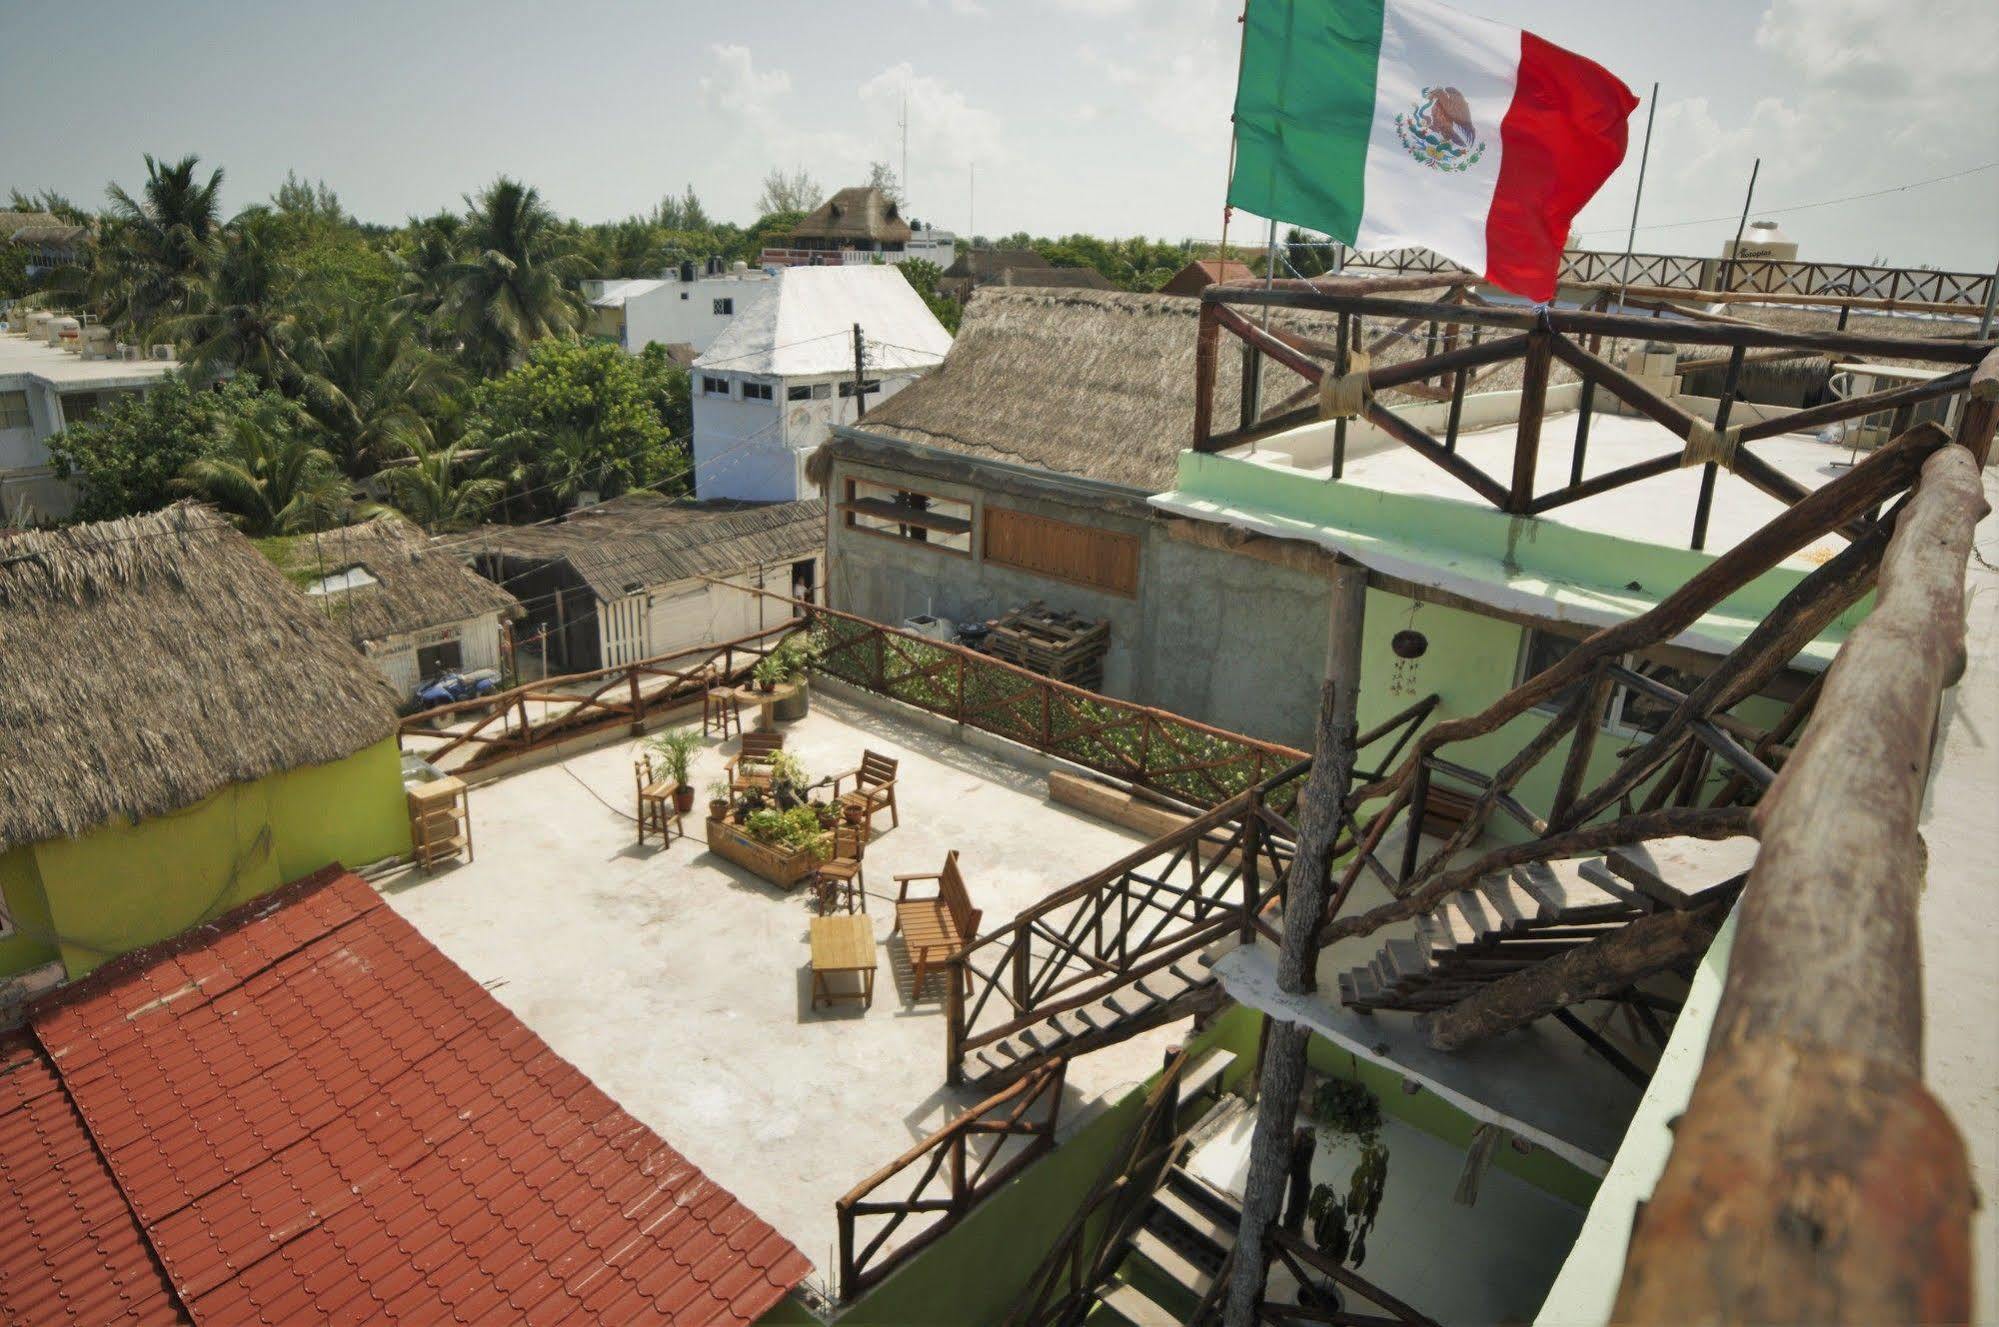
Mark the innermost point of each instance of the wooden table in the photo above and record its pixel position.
(440, 821)
(763, 700)
(844, 943)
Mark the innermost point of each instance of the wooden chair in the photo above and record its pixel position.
(935, 929)
(840, 882)
(655, 802)
(873, 790)
(720, 706)
(750, 766)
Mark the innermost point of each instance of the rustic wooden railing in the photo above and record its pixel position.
(1064, 1287)
(944, 1177)
(1160, 904)
(578, 703)
(1538, 339)
(1813, 1176)
(1899, 287)
(1181, 758)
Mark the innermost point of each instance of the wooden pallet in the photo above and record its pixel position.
(1055, 644)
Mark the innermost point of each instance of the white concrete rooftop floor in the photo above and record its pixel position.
(680, 984)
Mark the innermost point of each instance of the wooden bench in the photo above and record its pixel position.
(873, 790)
(935, 929)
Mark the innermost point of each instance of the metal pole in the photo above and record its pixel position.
(860, 379)
(1991, 299)
(1637, 195)
(1728, 269)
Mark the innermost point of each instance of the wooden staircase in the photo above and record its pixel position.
(1171, 1261)
(1515, 919)
(1163, 995)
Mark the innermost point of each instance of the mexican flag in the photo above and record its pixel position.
(1405, 122)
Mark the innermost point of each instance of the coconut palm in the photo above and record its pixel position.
(376, 384)
(242, 322)
(159, 248)
(432, 488)
(424, 267)
(508, 290)
(269, 477)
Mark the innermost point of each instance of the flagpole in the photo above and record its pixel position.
(1728, 268)
(1637, 196)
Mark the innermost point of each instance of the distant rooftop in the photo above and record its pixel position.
(25, 359)
(858, 213)
(801, 323)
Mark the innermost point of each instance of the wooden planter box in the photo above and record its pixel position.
(733, 843)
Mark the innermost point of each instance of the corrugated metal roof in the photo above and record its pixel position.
(642, 540)
(313, 1114)
(802, 323)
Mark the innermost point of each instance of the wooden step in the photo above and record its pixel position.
(1193, 1222)
(1172, 1263)
(1458, 923)
(1597, 871)
(1433, 935)
(1684, 872)
(1203, 1197)
(1358, 988)
(1475, 913)
(1564, 895)
(1130, 1303)
(1409, 960)
(1506, 902)
(1205, 1074)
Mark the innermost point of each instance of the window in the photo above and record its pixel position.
(809, 391)
(869, 386)
(444, 657)
(1063, 550)
(13, 410)
(714, 386)
(725, 308)
(897, 513)
(756, 391)
(78, 407)
(1631, 710)
(683, 294)
(355, 577)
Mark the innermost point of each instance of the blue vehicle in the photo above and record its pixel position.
(447, 688)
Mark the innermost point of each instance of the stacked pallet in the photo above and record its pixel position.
(1055, 644)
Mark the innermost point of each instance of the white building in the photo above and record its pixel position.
(687, 307)
(55, 372)
(771, 388)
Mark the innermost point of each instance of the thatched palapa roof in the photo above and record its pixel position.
(859, 213)
(642, 540)
(154, 660)
(415, 588)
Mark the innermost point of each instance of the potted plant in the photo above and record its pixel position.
(718, 800)
(769, 671)
(1341, 1223)
(676, 747)
(795, 654)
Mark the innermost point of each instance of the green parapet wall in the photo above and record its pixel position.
(120, 886)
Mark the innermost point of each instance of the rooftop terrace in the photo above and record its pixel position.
(681, 984)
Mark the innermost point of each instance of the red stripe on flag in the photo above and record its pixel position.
(1563, 136)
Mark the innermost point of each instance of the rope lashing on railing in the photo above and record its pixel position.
(1706, 443)
(1346, 395)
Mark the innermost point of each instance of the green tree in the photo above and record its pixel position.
(424, 259)
(508, 289)
(127, 458)
(670, 389)
(795, 191)
(242, 322)
(922, 276)
(267, 474)
(434, 489)
(574, 418)
(159, 247)
(376, 385)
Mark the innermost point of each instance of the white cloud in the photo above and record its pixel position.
(968, 8)
(946, 131)
(737, 87)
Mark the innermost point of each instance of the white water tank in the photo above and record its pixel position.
(1763, 239)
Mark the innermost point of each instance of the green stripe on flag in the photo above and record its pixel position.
(1304, 105)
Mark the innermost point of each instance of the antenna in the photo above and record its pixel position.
(905, 149)
(972, 205)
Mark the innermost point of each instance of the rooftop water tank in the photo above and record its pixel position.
(1763, 239)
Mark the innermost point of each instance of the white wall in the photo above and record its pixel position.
(756, 450)
(478, 647)
(685, 312)
(683, 614)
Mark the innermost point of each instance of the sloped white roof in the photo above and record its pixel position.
(802, 323)
(617, 292)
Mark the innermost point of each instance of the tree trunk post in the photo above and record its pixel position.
(1282, 1076)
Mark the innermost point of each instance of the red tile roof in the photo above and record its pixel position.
(310, 1112)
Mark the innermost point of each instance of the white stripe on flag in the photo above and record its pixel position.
(1428, 45)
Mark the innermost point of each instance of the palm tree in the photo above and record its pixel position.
(431, 489)
(161, 246)
(269, 478)
(241, 321)
(376, 385)
(424, 270)
(509, 290)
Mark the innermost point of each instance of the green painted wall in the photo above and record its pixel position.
(32, 944)
(123, 885)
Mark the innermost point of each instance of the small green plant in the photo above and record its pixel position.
(787, 778)
(675, 748)
(718, 790)
(796, 830)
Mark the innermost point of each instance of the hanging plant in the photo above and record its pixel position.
(1341, 1223)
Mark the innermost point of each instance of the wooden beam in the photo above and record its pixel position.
(1813, 1177)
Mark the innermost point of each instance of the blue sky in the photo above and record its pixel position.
(1102, 115)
